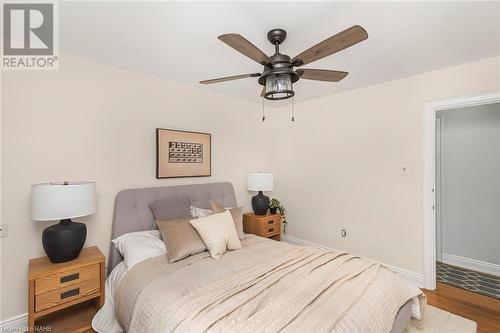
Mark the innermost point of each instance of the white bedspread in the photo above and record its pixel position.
(266, 286)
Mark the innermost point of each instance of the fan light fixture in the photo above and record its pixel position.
(279, 86)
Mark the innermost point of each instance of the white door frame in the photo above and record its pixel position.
(429, 174)
(437, 192)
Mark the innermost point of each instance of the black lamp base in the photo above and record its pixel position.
(64, 241)
(260, 204)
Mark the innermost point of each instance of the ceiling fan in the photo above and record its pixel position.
(278, 74)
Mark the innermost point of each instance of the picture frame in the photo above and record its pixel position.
(181, 154)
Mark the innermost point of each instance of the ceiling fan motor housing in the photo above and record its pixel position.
(280, 65)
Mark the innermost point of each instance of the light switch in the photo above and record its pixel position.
(3, 230)
(404, 170)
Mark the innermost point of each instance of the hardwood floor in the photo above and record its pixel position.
(485, 311)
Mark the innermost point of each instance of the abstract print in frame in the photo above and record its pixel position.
(182, 154)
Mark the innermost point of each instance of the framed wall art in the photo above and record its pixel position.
(182, 154)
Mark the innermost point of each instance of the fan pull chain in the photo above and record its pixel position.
(293, 108)
(263, 113)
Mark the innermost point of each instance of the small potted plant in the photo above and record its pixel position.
(276, 206)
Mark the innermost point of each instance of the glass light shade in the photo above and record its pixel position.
(58, 201)
(279, 86)
(260, 181)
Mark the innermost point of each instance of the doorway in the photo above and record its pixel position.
(467, 204)
(431, 200)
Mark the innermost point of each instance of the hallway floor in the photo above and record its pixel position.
(485, 311)
(481, 283)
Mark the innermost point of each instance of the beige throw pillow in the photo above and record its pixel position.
(218, 233)
(237, 215)
(180, 238)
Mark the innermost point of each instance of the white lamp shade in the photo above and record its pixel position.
(57, 201)
(260, 181)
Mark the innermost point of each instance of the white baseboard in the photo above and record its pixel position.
(473, 264)
(415, 278)
(298, 241)
(15, 324)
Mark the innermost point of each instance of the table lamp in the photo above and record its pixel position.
(260, 181)
(63, 201)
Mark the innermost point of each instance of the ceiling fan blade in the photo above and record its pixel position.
(263, 91)
(242, 45)
(321, 74)
(331, 45)
(229, 78)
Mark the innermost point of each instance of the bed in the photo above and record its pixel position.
(265, 286)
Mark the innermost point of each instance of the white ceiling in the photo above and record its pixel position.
(178, 40)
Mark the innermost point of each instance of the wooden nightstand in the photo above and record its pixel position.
(66, 296)
(263, 225)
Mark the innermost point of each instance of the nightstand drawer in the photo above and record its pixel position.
(269, 222)
(66, 278)
(53, 298)
(269, 225)
(269, 230)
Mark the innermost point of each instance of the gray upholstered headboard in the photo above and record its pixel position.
(132, 211)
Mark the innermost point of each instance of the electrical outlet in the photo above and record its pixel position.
(4, 230)
(343, 233)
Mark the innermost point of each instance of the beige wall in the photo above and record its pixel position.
(339, 163)
(89, 121)
(336, 167)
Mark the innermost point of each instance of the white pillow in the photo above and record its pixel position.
(197, 212)
(139, 246)
(218, 233)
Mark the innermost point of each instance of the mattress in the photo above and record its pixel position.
(402, 318)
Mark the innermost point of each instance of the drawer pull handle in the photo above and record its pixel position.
(70, 277)
(270, 222)
(270, 230)
(70, 293)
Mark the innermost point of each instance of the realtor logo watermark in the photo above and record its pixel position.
(30, 36)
